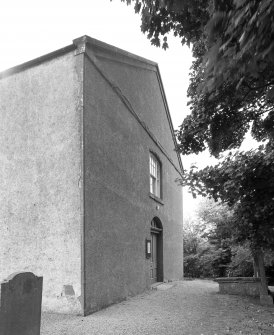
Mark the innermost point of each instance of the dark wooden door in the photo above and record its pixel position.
(154, 258)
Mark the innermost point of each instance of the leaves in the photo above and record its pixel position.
(209, 242)
(270, 94)
(230, 91)
(245, 182)
(233, 72)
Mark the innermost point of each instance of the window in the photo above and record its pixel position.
(155, 175)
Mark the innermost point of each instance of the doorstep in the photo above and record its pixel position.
(159, 286)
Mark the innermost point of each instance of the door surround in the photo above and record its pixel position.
(156, 232)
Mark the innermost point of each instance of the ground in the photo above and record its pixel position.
(184, 308)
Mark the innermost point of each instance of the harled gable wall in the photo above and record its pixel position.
(40, 177)
(118, 209)
(41, 180)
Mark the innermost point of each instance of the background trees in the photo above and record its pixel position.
(210, 246)
(245, 182)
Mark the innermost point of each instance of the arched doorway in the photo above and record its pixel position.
(156, 260)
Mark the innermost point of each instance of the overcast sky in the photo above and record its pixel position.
(31, 28)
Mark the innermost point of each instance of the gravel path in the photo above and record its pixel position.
(187, 308)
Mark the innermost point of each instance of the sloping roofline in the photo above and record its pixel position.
(80, 44)
(36, 61)
(76, 43)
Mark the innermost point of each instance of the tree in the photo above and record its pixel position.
(192, 242)
(241, 261)
(201, 257)
(232, 77)
(192, 236)
(245, 182)
(216, 218)
(210, 248)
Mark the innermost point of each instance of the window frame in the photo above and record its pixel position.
(155, 176)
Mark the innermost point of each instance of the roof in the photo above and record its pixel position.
(83, 40)
(79, 46)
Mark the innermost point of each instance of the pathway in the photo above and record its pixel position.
(187, 308)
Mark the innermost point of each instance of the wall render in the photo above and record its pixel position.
(117, 206)
(40, 176)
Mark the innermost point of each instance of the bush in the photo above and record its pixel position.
(206, 263)
(241, 264)
(192, 266)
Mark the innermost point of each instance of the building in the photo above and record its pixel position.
(88, 167)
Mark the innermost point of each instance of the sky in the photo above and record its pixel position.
(32, 28)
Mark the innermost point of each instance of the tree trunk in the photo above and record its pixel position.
(262, 272)
(265, 298)
(256, 266)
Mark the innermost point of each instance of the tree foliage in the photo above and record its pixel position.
(245, 182)
(231, 89)
(241, 264)
(191, 237)
(232, 77)
(210, 247)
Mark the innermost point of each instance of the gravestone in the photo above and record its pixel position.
(20, 304)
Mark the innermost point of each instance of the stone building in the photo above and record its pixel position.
(88, 193)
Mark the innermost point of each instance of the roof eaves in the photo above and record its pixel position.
(36, 61)
(85, 40)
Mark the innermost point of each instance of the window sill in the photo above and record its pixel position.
(154, 197)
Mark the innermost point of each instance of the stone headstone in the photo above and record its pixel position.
(20, 304)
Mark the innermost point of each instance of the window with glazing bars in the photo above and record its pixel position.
(155, 175)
